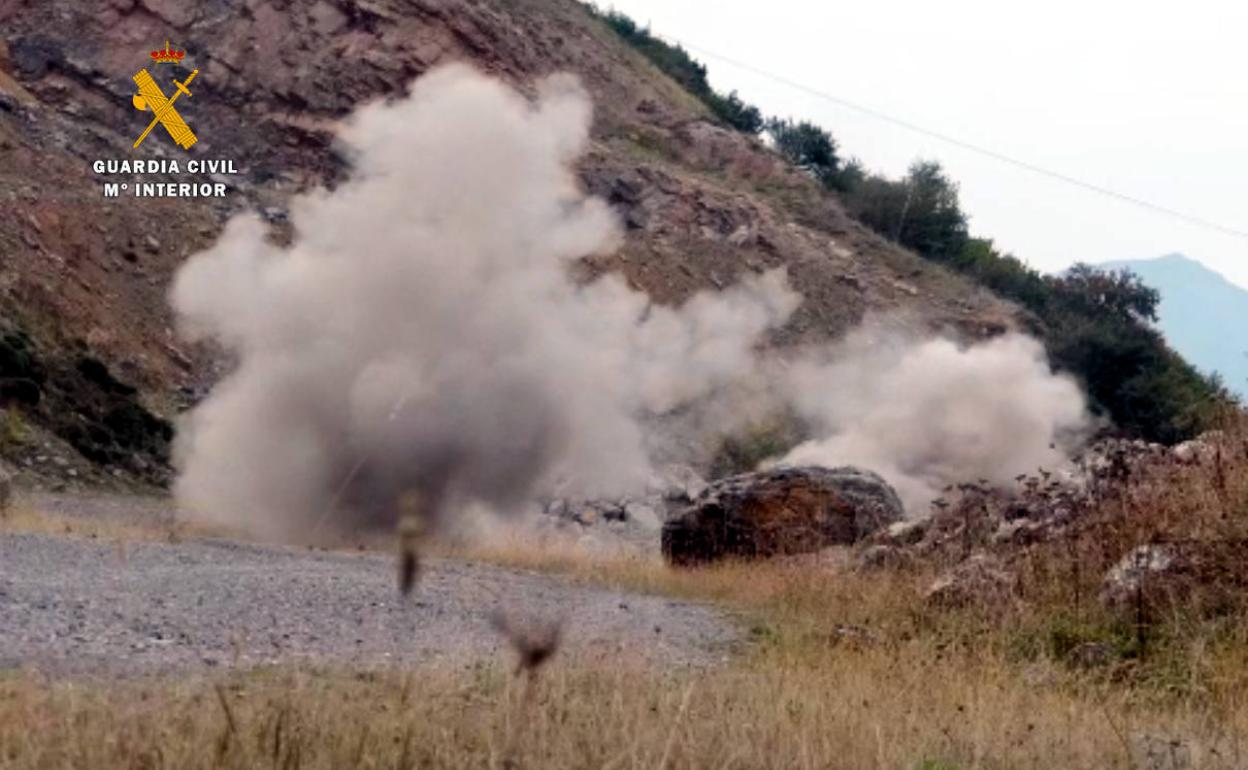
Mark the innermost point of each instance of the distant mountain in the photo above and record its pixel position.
(1203, 315)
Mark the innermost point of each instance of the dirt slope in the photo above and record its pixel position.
(85, 278)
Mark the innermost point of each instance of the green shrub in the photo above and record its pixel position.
(744, 450)
(14, 430)
(921, 212)
(675, 62)
(745, 118)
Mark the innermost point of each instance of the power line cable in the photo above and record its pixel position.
(998, 156)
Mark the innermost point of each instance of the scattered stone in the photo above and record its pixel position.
(839, 250)
(1195, 452)
(643, 515)
(907, 532)
(1091, 655)
(834, 558)
(1145, 563)
(981, 580)
(855, 636)
(850, 280)
(1019, 532)
(741, 236)
(1156, 752)
(780, 511)
(1197, 575)
(883, 557)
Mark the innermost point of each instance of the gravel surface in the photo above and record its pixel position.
(78, 606)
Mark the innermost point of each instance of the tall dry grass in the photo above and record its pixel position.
(841, 670)
(837, 692)
(838, 668)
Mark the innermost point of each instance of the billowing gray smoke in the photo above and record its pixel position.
(926, 413)
(421, 334)
(420, 339)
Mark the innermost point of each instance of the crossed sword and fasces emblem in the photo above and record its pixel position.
(151, 97)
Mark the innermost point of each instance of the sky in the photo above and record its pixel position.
(1148, 99)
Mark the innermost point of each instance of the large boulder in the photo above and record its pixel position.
(780, 511)
(981, 580)
(1200, 576)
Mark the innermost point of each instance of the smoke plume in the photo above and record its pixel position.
(927, 413)
(420, 346)
(420, 337)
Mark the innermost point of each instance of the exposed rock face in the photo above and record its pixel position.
(99, 419)
(780, 511)
(700, 204)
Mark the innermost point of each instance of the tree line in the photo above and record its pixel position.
(1097, 325)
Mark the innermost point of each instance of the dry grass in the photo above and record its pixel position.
(845, 669)
(852, 712)
(844, 674)
(26, 519)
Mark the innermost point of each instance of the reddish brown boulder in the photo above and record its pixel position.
(780, 511)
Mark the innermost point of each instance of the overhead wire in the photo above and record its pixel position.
(1034, 168)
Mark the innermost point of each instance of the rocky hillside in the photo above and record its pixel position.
(91, 372)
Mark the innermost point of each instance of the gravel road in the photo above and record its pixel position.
(73, 606)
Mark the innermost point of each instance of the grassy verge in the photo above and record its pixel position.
(842, 702)
(30, 520)
(846, 670)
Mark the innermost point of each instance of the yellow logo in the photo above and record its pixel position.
(151, 97)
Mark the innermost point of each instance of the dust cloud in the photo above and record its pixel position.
(420, 337)
(925, 413)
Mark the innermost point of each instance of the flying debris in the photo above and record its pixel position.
(535, 641)
(411, 531)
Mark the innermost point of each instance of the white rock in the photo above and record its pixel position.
(643, 516)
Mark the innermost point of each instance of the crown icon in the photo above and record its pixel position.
(168, 55)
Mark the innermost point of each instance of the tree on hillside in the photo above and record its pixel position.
(1097, 326)
(746, 118)
(921, 212)
(805, 145)
(1100, 328)
(813, 149)
(1004, 274)
(676, 63)
(1120, 292)
(932, 220)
